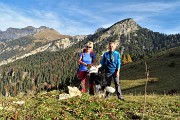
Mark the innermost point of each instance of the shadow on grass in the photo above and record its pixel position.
(153, 87)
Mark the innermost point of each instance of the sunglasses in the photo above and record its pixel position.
(88, 47)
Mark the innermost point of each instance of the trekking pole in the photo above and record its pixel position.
(145, 88)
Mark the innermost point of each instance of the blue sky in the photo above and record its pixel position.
(82, 17)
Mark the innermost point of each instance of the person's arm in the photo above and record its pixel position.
(82, 63)
(118, 64)
(93, 58)
(118, 72)
(80, 60)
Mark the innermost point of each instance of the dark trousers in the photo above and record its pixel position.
(116, 82)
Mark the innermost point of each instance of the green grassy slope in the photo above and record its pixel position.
(46, 106)
(164, 74)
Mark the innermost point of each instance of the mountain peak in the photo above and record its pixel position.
(15, 33)
(29, 27)
(125, 27)
(127, 21)
(44, 27)
(11, 29)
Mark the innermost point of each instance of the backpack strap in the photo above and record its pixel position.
(91, 55)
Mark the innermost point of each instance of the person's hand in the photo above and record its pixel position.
(84, 64)
(117, 74)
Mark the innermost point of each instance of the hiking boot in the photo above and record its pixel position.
(91, 93)
(121, 98)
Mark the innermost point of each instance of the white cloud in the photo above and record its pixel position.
(74, 19)
(82, 13)
(89, 15)
(148, 7)
(151, 15)
(12, 17)
(143, 7)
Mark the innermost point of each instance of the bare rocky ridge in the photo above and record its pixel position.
(15, 33)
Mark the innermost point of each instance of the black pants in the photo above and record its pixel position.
(116, 82)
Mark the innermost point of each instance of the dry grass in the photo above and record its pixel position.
(49, 34)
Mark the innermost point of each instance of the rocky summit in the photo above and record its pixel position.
(15, 33)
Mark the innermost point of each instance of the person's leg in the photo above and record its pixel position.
(86, 80)
(108, 82)
(82, 76)
(117, 86)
